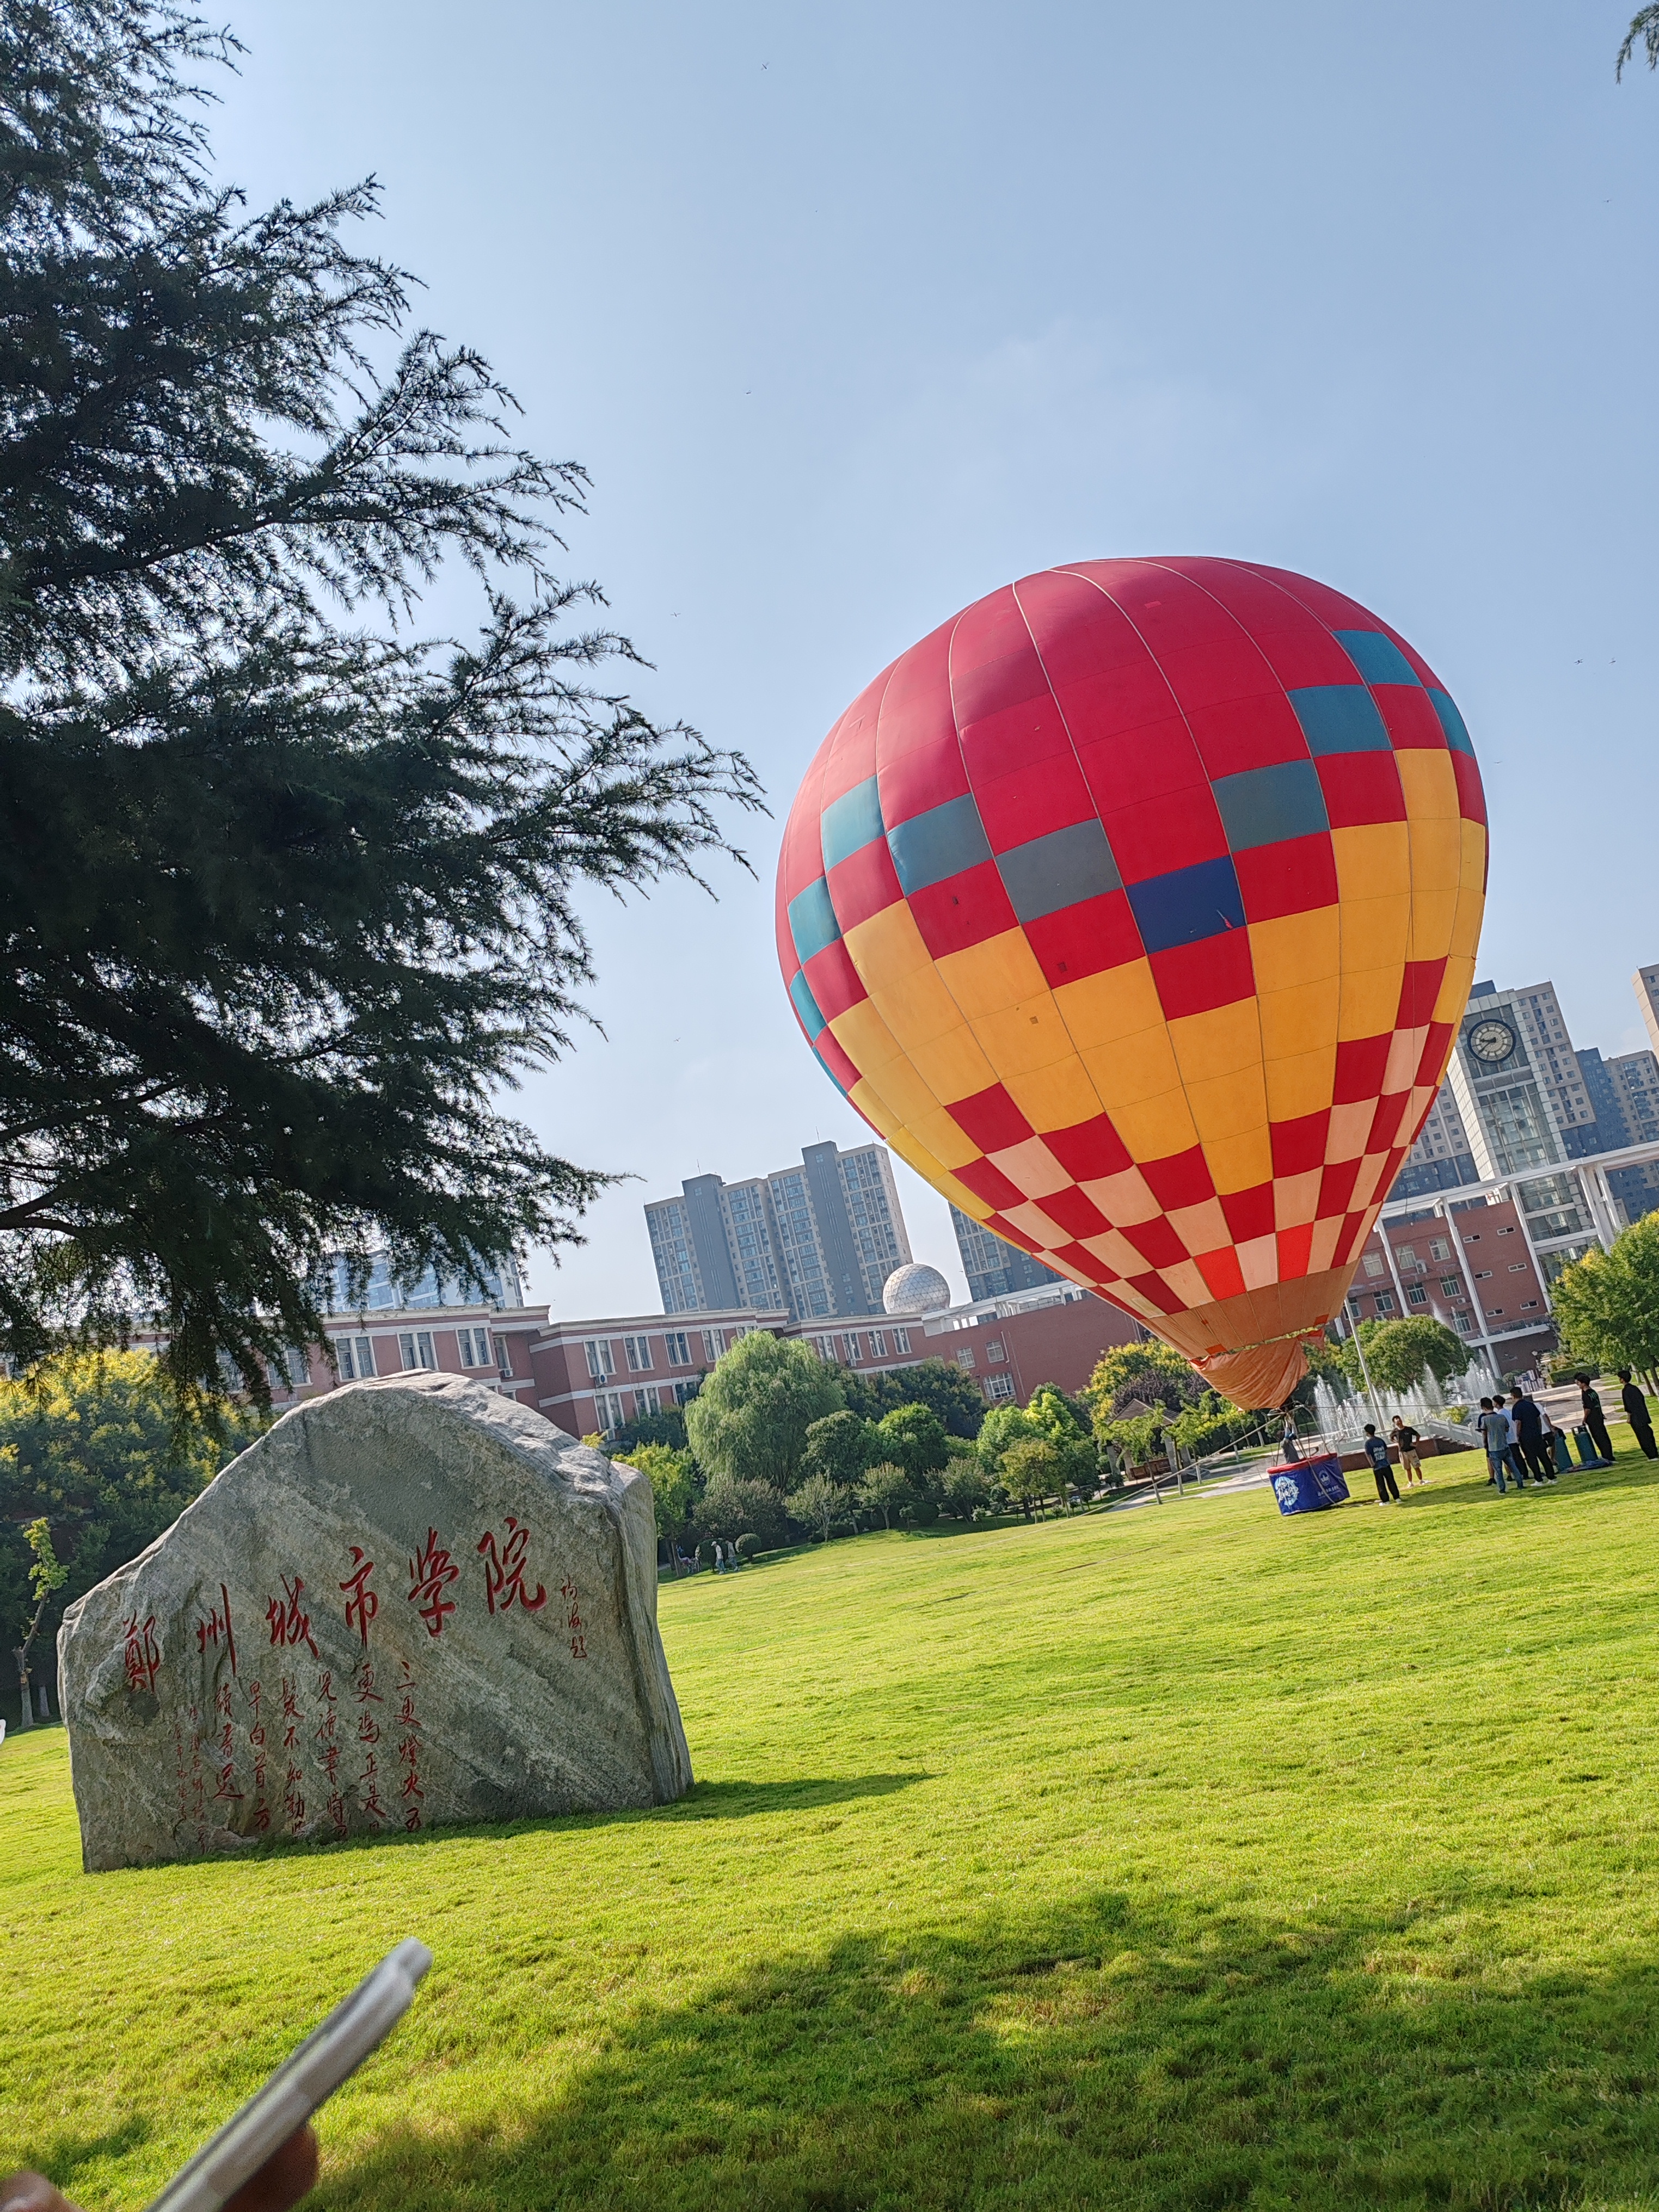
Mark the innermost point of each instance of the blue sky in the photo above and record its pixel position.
(856, 313)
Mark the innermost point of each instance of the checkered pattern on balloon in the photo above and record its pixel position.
(1135, 907)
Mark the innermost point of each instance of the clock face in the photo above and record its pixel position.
(1493, 1041)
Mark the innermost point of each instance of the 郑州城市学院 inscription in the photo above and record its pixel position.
(411, 1603)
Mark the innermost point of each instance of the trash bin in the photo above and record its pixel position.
(1585, 1446)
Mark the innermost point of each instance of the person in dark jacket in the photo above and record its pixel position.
(1527, 1419)
(1594, 1419)
(1636, 1413)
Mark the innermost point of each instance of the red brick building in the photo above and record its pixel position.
(1468, 1265)
(588, 1376)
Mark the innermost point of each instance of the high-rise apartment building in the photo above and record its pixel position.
(816, 1240)
(1645, 981)
(1624, 1092)
(995, 1269)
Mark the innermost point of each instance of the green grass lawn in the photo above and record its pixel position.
(1181, 1857)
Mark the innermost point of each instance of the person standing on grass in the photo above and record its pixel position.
(1636, 1413)
(1494, 1425)
(1594, 1419)
(1404, 1442)
(1527, 1419)
(1376, 1451)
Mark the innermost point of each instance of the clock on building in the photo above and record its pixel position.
(1492, 1041)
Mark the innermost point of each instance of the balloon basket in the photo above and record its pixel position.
(1309, 1485)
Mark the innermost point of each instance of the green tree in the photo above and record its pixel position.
(673, 1478)
(95, 1445)
(47, 1578)
(964, 1489)
(734, 1505)
(1144, 1375)
(751, 1416)
(1033, 1471)
(815, 1503)
(939, 1384)
(1606, 1304)
(1645, 25)
(885, 1489)
(291, 892)
(1065, 1426)
(1003, 1426)
(912, 1438)
(839, 1448)
(1400, 1352)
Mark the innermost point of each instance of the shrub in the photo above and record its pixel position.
(748, 1546)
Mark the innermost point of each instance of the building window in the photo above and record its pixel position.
(416, 1346)
(504, 1357)
(1509, 1231)
(608, 1409)
(902, 1340)
(878, 1344)
(292, 1374)
(685, 1393)
(1474, 1238)
(1406, 1256)
(825, 1348)
(712, 1347)
(1417, 1296)
(1375, 1264)
(995, 1350)
(356, 1357)
(473, 1346)
(849, 1350)
(1355, 1310)
(1517, 1266)
(1438, 1249)
(1385, 1301)
(965, 1357)
(637, 1350)
(1494, 1313)
(999, 1388)
(600, 1363)
(647, 1401)
(1528, 1304)
(679, 1351)
(1463, 1324)
(1482, 1274)
(1451, 1286)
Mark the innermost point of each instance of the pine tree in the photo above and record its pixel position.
(289, 890)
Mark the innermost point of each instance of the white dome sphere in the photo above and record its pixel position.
(915, 1290)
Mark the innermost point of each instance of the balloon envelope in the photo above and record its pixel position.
(1136, 908)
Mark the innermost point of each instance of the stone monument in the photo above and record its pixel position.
(410, 1603)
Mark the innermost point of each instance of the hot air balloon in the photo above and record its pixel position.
(1135, 907)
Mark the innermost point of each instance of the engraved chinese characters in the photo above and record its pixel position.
(411, 1603)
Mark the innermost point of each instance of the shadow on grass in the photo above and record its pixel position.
(1468, 1488)
(67, 2157)
(1107, 2053)
(704, 1800)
